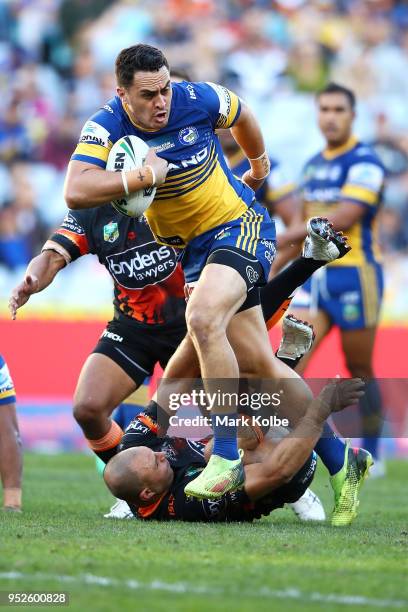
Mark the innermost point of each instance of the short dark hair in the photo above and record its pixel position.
(336, 88)
(143, 58)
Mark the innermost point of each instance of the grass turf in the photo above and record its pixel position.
(274, 563)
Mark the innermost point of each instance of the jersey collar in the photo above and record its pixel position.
(145, 511)
(344, 148)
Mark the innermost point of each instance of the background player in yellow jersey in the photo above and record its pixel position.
(11, 460)
(344, 183)
(228, 239)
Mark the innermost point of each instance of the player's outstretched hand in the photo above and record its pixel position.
(339, 394)
(159, 165)
(21, 294)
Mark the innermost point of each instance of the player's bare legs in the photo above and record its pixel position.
(217, 296)
(11, 459)
(358, 348)
(102, 386)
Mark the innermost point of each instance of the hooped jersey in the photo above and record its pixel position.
(200, 191)
(352, 173)
(7, 392)
(148, 281)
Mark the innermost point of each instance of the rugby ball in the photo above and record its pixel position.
(129, 153)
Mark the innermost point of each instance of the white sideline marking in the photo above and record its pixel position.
(185, 587)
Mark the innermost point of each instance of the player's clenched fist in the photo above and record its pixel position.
(21, 294)
(160, 167)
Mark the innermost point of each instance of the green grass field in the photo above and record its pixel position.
(61, 542)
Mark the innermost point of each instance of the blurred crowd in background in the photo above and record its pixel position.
(57, 67)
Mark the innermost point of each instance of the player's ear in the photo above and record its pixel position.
(146, 495)
(121, 93)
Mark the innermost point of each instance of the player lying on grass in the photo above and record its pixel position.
(151, 472)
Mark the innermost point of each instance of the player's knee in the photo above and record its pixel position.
(88, 411)
(202, 326)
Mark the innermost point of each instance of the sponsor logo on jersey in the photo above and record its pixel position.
(146, 264)
(224, 233)
(112, 336)
(351, 312)
(95, 133)
(161, 144)
(270, 253)
(165, 146)
(110, 232)
(366, 175)
(136, 426)
(108, 108)
(71, 224)
(171, 240)
(188, 136)
(191, 91)
(6, 384)
(325, 195)
(194, 160)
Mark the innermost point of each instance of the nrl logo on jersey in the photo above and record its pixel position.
(110, 232)
(188, 136)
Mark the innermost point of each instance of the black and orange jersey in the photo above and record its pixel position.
(148, 281)
(200, 191)
(186, 458)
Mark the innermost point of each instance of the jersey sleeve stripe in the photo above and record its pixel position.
(93, 150)
(7, 397)
(89, 160)
(75, 244)
(360, 194)
(235, 110)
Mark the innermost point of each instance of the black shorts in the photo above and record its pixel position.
(137, 349)
(242, 509)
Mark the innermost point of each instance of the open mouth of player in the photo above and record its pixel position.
(160, 117)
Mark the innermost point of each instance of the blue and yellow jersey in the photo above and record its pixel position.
(7, 393)
(200, 191)
(351, 173)
(275, 188)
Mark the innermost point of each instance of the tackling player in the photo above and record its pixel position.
(200, 207)
(152, 473)
(11, 459)
(344, 182)
(149, 323)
